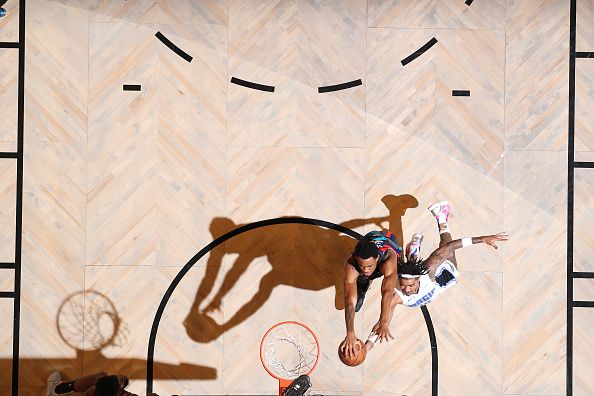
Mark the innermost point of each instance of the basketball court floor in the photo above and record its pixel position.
(138, 151)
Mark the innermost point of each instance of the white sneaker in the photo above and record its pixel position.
(52, 381)
(440, 209)
(413, 248)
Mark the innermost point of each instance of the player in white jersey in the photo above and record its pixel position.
(421, 281)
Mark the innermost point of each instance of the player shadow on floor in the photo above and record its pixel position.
(301, 256)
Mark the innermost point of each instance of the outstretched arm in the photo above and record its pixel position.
(382, 328)
(350, 300)
(440, 254)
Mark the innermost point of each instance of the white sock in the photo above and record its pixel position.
(443, 227)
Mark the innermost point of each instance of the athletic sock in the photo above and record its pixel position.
(443, 227)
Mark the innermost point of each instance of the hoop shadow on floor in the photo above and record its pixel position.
(88, 322)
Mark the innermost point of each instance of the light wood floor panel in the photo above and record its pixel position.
(478, 15)
(8, 209)
(584, 40)
(259, 184)
(9, 25)
(122, 146)
(321, 175)
(536, 87)
(295, 115)
(583, 241)
(252, 58)
(534, 316)
(7, 279)
(57, 76)
(9, 74)
(401, 14)
(584, 113)
(582, 352)
(52, 256)
(400, 100)
(470, 128)
(469, 340)
(190, 171)
(583, 289)
(190, 13)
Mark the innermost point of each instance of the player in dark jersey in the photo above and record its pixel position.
(375, 255)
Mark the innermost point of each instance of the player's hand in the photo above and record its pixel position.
(382, 330)
(491, 239)
(348, 344)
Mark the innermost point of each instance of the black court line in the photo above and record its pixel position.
(418, 52)
(580, 164)
(433, 343)
(241, 230)
(469, 2)
(4, 44)
(456, 92)
(173, 47)
(6, 265)
(131, 87)
(5, 154)
(338, 87)
(570, 202)
(584, 54)
(587, 275)
(252, 85)
(19, 204)
(584, 304)
(6, 294)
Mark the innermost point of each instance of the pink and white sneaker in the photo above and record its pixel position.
(413, 248)
(441, 211)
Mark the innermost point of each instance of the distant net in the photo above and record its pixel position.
(288, 350)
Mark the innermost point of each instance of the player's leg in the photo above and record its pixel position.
(363, 284)
(441, 212)
(58, 387)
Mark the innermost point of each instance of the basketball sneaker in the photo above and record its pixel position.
(298, 387)
(52, 381)
(413, 248)
(441, 211)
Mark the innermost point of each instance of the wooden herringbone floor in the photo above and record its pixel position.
(123, 188)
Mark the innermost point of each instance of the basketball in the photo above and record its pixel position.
(360, 353)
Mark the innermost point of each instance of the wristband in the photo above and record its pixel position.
(466, 242)
(373, 338)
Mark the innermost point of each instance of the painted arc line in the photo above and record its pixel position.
(173, 47)
(419, 52)
(252, 85)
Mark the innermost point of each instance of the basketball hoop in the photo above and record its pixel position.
(289, 349)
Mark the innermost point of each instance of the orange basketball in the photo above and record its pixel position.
(360, 353)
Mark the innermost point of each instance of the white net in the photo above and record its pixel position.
(289, 350)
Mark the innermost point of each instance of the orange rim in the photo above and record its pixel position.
(283, 381)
